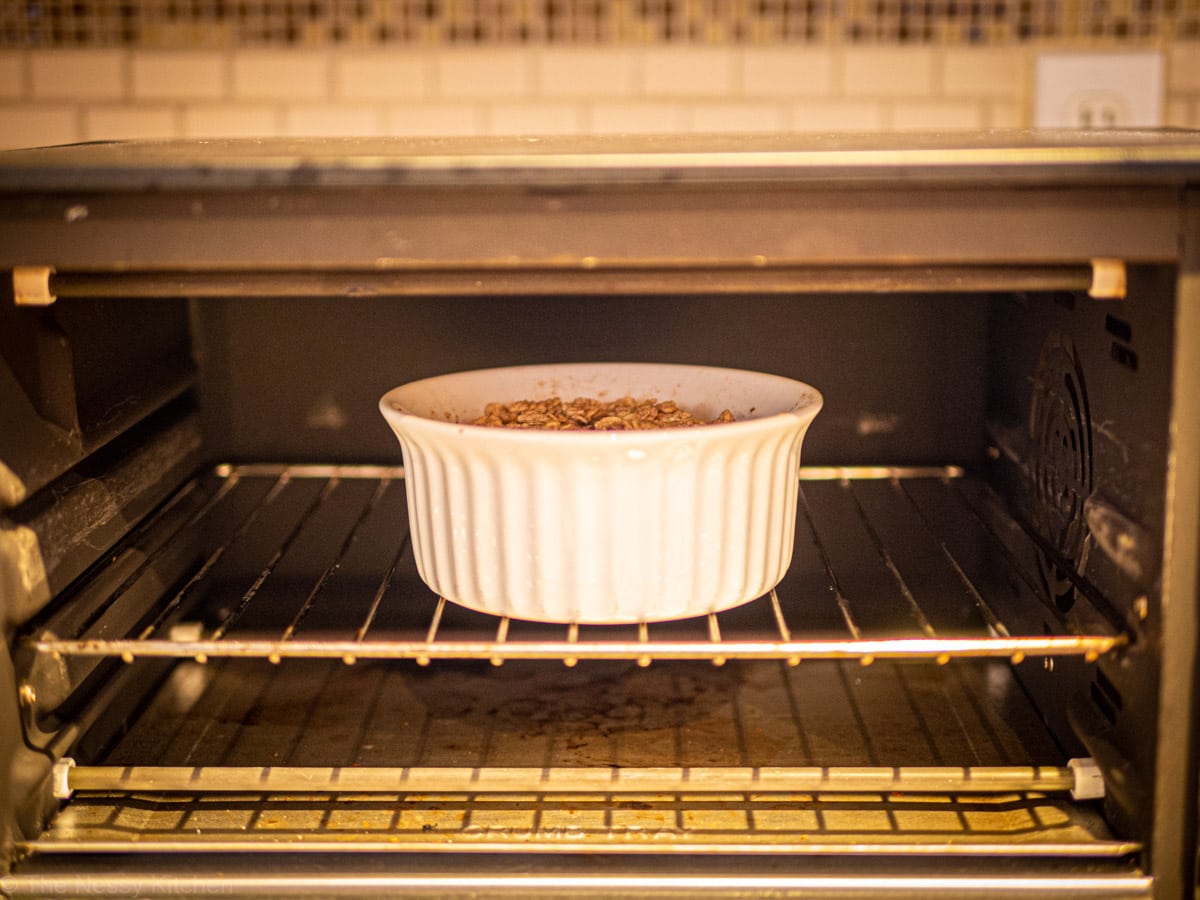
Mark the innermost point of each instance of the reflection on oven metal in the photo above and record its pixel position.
(527, 885)
(500, 649)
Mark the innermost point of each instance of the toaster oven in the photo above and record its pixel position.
(223, 674)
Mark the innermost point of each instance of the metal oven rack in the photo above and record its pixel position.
(308, 568)
(610, 756)
(882, 571)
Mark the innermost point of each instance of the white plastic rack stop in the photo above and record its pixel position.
(1108, 279)
(1089, 782)
(62, 778)
(31, 285)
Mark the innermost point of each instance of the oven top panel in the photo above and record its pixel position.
(1004, 156)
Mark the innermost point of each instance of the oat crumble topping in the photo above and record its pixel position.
(588, 414)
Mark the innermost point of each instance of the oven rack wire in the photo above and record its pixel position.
(1080, 778)
(313, 561)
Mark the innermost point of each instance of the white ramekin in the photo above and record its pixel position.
(602, 527)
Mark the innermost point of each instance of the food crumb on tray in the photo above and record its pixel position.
(588, 414)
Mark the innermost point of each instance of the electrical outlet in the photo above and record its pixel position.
(1098, 90)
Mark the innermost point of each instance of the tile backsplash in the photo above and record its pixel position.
(317, 23)
(106, 70)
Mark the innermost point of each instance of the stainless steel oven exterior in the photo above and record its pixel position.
(222, 674)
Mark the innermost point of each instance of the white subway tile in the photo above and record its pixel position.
(434, 120)
(332, 120)
(281, 75)
(984, 71)
(1002, 114)
(399, 74)
(794, 71)
(26, 125)
(736, 117)
(179, 75)
(535, 118)
(12, 76)
(485, 73)
(588, 72)
(837, 115)
(77, 74)
(936, 115)
(638, 118)
(1183, 66)
(689, 71)
(1181, 113)
(887, 71)
(120, 122)
(232, 120)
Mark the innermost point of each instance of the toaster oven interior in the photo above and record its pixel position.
(226, 676)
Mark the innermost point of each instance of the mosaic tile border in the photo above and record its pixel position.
(356, 23)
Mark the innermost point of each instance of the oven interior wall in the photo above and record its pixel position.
(1078, 411)
(904, 377)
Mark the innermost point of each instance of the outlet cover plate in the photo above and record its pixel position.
(1098, 90)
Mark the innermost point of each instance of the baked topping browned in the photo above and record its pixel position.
(588, 414)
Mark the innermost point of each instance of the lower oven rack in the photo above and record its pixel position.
(463, 758)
